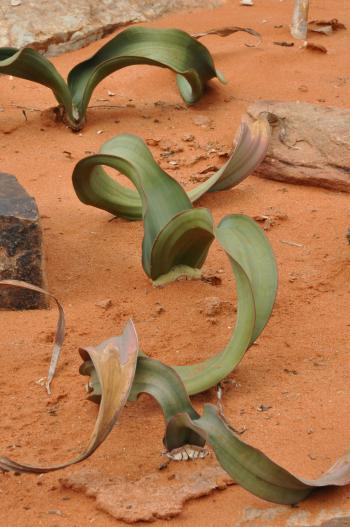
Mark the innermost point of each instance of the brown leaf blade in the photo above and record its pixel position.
(60, 328)
(115, 363)
(229, 30)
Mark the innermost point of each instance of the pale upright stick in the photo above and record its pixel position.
(299, 19)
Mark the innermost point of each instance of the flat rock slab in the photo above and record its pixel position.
(56, 27)
(310, 144)
(160, 495)
(274, 516)
(21, 255)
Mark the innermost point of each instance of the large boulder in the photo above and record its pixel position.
(21, 254)
(56, 27)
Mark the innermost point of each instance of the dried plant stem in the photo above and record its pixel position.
(299, 19)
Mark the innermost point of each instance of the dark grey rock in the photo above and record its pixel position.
(56, 27)
(21, 256)
(310, 144)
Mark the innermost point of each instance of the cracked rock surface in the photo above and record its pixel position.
(310, 144)
(59, 26)
(165, 497)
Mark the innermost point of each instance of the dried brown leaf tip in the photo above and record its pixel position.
(229, 30)
(314, 47)
(325, 26)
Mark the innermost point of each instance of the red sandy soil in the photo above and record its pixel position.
(300, 365)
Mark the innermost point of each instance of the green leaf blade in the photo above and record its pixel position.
(247, 466)
(254, 267)
(30, 65)
(246, 244)
(170, 48)
(174, 233)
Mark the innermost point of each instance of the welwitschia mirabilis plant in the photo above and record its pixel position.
(175, 234)
(167, 48)
(112, 366)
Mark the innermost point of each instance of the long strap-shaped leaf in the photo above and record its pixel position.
(247, 465)
(177, 235)
(95, 187)
(114, 363)
(168, 48)
(30, 65)
(253, 264)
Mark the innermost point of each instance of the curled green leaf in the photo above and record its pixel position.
(170, 222)
(254, 267)
(250, 467)
(117, 374)
(129, 155)
(176, 236)
(28, 64)
(167, 48)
